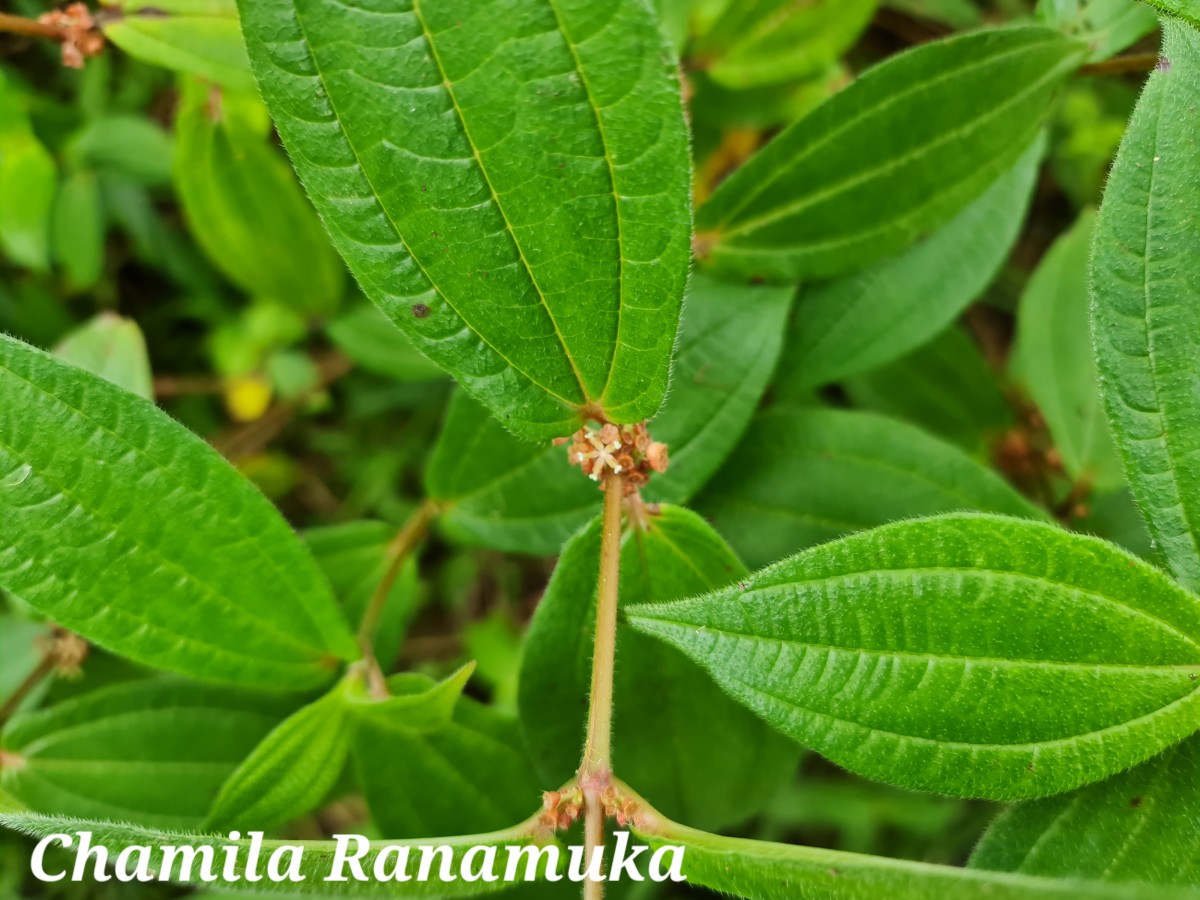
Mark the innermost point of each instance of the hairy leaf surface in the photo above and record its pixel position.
(508, 180)
(1145, 280)
(1185, 9)
(966, 654)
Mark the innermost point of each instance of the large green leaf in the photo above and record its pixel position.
(153, 752)
(484, 479)
(369, 338)
(1053, 357)
(1145, 280)
(508, 179)
(1185, 9)
(122, 526)
(245, 207)
(966, 654)
(893, 156)
(758, 870)
(853, 324)
(804, 476)
(471, 774)
(692, 749)
(1141, 825)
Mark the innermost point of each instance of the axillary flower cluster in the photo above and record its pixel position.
(622, 450)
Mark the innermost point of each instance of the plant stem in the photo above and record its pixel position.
(1120, 65)
(39, 674)
(401, 547)
(595, 772)
(30, 27)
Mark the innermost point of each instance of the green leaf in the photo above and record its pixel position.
(1108, 26)
(353, 557)
(316, 859)
(156, 548)
(500, 492)
(946, 387)
(763, 42)
(758, 870)
(20, 653)
(970, 655)
(77, 230)
(1145, 279)
(113, 348)
(130, 146)
(1052, 356)
(420, 708)
(154, 752)
(471, 774)
(369, 338)
(28, 180)
(199, 37)
(1115, 517)
(508, 180)
(290, 771)
(1141, 825)
(692, 749)
(804, 476)
(856, 323)
(1185, 9)
(245, 207)
(955, 13)
(893, 156)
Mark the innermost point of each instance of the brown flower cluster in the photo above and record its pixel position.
(81, 39)
(621, 450)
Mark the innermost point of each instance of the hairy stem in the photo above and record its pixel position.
(595, 772)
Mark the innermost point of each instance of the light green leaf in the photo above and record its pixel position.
(154, 751)
(290, 771)
(966, 654)
(369, 338)
(1141, 825)
(353, 557)
(955, 13)
(1115, 517)
(131, 146)
(508, 180)
(471, 774)
(757, 870)
(694, 751)
(246, 209)
(113, 348)
(316, 859)
(1108, 26)
(418, 707)
(28, 180)
(763, 42)
(946, 387)
(199, 37)
(1052, 356)
(1145, 280)
(155, 548)
(729, 341)
(1185, 9)
(804, 476)
(896, 154)
(77, 230)
(851, 325)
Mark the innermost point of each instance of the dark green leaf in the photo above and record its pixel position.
(804, 476)
(124, 527)
(154, 752)
(897, 154)
(1145, 280)
(126, 145)
(508, 180)
(77, 230)
(967, 654)
(690, 748)
(112, 348)
(955, 13)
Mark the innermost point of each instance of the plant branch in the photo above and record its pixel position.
(1120, 65)
(39, 674)
(31, 27)
(61, 650)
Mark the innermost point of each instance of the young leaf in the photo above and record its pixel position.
(246, 209)
(417, 707)
(508, 180)
(970, 655)
(471, 774)
(1145, 280)
(124, 527)
(290, 771)
(763, 42)
(729, 341)
(696, 752)
(946, 387)
(199, 37)
(758, 870)
(897, 154)
(1141, 825)
(369, 338)
(853, 324)
(153, 752)
(28, 181)
(1052, 355)
(804, 476)
(112, 348)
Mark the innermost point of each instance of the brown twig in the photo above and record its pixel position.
(31, 28)
(1121, 65)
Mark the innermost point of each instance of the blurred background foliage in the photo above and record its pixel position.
(152, 230)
